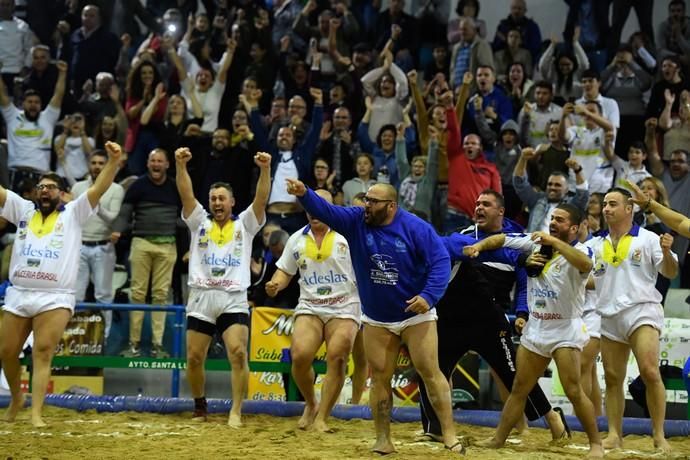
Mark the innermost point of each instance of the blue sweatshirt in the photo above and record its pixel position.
(392, 263)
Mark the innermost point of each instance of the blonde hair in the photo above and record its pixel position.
(661, 193)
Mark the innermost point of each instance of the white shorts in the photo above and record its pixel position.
(28, 303)
(351, 311)
(620, 327)
(543, 337)
(209, 304)
(592, 320)
(398, 327)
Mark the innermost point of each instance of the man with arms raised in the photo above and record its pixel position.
(219, 275)
(402, 270)
(41, 298)
(627, 261)
(328, 309)
(555, 328)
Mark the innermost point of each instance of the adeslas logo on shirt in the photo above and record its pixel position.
(30, 251)
(227, 261)
(328, 278)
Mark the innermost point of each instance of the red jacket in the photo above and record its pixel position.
(467, 178)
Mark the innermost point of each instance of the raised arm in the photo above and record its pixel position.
(263, 185)
(665, 121)
(463, 97)
(152, 106)
(4, 97)
(59, 92)
(674, 220)
(184, 181)
(226, 61)
(602, 122)
(341, 219)
(107, 175)
(656, 167)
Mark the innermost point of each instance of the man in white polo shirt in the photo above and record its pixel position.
(627, 261)
(555, 328)
(328, 309)
(219, 275)
(30, 130)
(41, 298)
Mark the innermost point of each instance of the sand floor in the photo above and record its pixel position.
(131, 435)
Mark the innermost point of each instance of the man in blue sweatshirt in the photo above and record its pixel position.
(402, 270)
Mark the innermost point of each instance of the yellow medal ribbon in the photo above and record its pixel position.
(40, 226)
(617, 257)
(548, 264)
(222, 235)
(311, 251)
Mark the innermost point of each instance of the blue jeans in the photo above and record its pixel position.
(97, 263)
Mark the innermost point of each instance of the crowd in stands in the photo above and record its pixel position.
(343, 94)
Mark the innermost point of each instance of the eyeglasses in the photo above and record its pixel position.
(373, 201)
(50, 187)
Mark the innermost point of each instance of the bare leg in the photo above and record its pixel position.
(588, 369)
(645, 346)
(236, 338)
(13, 333)
(307, 337)
(340, 335)
(48, 328)
(197, 348)
(504, 392)
(361, 372)
(382, 351)
(615, 357)
(422, 341)
(568, 364)
(530, 366)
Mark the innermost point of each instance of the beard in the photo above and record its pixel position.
(32, 117)
(48, 205)
(375, 218)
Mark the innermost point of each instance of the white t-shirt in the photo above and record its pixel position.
(29, 141)
(45, 254)
(559, 291)
(326, 275)
(287, 168)
(220, 258)
(75, 158)
(586, 146)
(626, 277)
(209, 101)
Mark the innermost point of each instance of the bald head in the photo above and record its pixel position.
(385, 191)
(325, 194)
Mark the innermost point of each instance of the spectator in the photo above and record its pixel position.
(93, 49)
(511, 54)
(337, 147)
(41, 76)
(632, 170)
(673, 34)
(586, 144)
(564, 69)
(290, 159)
(531, 36)
(642, 52)
(542, 204)
(30, 131)
(489, 104)
(469, 53)
(591, 82)
(626, 82)
(534, 117)
(676, 179)
(144, 88)
(396, 25)
(176, 122)
(285, 13)
(153, 205)
(677, 134)
(97, 104)
(387, 86)
(549, 157)
(16, 41)
(418, 183)
(97, 259)
(591, 17)
(671, 79)
(506, 148)
(73, 148)
(364, 168)
(465, 9)
(519, 87)
(323, 177)
(110, 129)
(595, 213)
(440, 64)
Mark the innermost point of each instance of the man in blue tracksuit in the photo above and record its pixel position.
(472, 311)
(402, 270)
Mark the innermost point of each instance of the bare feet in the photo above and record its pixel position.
(308, 416)
(556, 425)
(595, 451)
(457, 448)
(383, 447)
(520, 427)
(37, 421)
(321, 426)
(491, 443)
(235, 420)
(13, 409)
(662, 445)
(612, 442)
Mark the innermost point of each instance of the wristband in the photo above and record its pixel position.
(578, 171)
